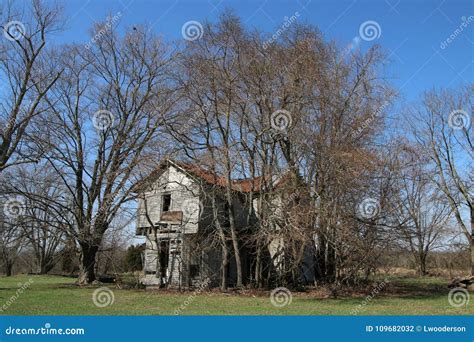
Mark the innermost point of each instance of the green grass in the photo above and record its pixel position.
(54, 295)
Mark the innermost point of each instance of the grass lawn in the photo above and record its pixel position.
(54, 295)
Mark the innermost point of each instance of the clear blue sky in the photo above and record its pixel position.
(411, 30)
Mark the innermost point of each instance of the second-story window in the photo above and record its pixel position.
(166, 202)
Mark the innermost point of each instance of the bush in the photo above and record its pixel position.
(133, 258)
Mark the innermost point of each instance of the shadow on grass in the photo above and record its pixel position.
(417, 288)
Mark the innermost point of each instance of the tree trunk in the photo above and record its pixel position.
(87, 263)
(222, 238)
(422, 265)
(224, 266)
(258, 270)
(234, 235)
(325, 269)
(8, 269)
(238, 261)
(471, 244)
(420, 260)
(46, 267)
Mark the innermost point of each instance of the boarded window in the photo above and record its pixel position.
(166, 200)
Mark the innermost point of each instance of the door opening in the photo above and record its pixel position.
(164, 259)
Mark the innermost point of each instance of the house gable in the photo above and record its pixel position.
(172, 198)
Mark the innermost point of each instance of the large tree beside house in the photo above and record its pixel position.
(259, 110)
(106, 113)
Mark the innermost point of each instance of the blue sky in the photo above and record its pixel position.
(412, 31)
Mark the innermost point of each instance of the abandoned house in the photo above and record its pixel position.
(175, 215)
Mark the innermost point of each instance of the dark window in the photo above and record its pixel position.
(194, 271)
(166, 200)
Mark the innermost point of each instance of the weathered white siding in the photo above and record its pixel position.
(192, 258)
(184, 197)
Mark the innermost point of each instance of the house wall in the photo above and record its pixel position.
(184, 197)
(212, 256)
(197, 258)
(276, 246)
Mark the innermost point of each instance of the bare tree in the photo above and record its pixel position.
(329, 111)
(43, 224)
(441, 127)
(207, 78)
(106, 113)
(422, 212)
(293, 106)
(12, 237)
(29, 71)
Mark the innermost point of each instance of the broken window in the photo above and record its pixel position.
(166, 200)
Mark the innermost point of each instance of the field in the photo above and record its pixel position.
(55, 295)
